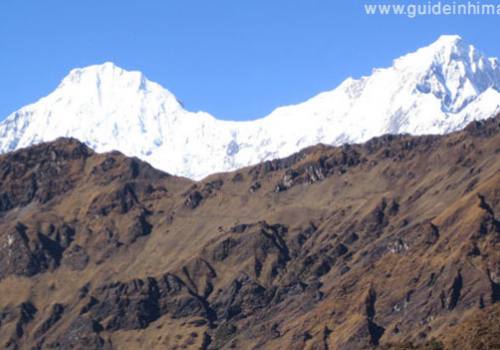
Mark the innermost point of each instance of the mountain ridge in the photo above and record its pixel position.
(389, 244)
(435, 90)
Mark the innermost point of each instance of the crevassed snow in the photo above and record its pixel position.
(437, 89)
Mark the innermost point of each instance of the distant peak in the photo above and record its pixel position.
(108, 64)
(108, 84)
(105, 74)
(450, 44)
(445, 49)
(449, 40)
(106, 68)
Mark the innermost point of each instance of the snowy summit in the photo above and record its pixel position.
(437, 89)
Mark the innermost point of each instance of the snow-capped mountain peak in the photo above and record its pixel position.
(436, 89)
(441, 52)
(108, 78)
(453, 71)
(103, 105)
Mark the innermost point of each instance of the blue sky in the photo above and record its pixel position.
(237, 59)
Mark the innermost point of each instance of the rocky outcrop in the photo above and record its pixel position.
(27, 253)
(135, 304)
(195, 195)
(55, 315)
(82, 333)
(21, 316)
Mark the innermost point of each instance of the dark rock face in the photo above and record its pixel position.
(375, 330)
(76, 258)
(122, 201)
(244, 297)
(313, 172)
(193, 199)
(307, 233)
(495, 288)
(131, 305)
(135, 304)
(432, 234)
(54, 317)
(82, 333)
(223, 335)
(36, 174)
(27, 253)
(455, 291)
(21, 316)
(195, 196)
(223, 250)
(140, 227)
(27, 312)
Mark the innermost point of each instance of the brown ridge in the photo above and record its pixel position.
(390, 244)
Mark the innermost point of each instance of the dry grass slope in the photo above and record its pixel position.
(391, 244)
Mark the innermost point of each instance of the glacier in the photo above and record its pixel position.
(434, 90)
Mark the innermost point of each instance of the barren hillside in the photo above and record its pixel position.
(392, 243)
